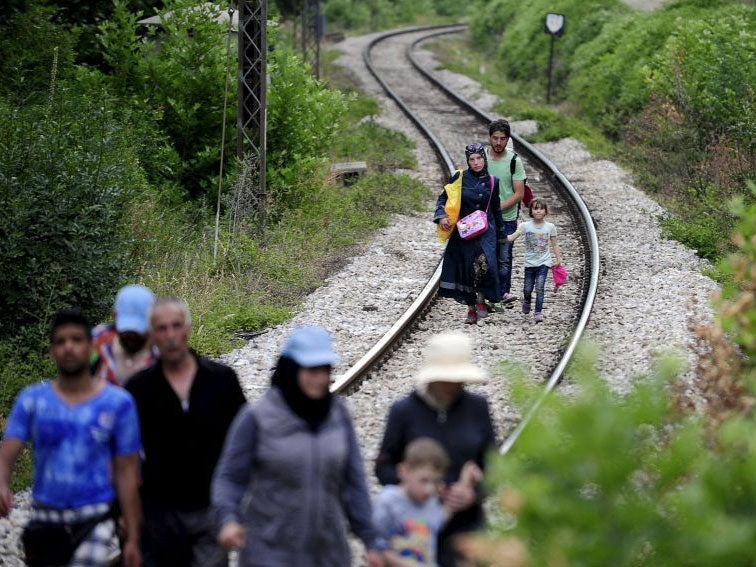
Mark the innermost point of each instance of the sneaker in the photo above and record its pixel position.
(508, 298)
(538, 317)
(495, 307)
(525, 308)
(472, 317)
(481, 310)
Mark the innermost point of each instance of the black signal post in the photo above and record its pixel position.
(554, 26)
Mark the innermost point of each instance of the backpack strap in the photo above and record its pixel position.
(512, 166)
(491, 181)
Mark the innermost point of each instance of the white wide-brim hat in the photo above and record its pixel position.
(448, 358)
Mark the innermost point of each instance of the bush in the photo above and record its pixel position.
(708, 70)
(65, 174)
(29, 42)
(604, 480)
(178, 77)
(303, 118)
(382, 14)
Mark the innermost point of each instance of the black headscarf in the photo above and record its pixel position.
(314, 412)
(476, 148)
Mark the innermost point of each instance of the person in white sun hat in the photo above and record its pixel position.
(441, 408)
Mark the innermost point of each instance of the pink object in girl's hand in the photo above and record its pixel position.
(559, 273)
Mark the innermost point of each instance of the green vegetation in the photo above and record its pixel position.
(372, 15)
(109, 172)
(668, 92)
(638, 480)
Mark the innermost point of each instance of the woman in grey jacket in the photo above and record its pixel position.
(291, 469)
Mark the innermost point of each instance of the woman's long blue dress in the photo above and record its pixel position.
(470, 266)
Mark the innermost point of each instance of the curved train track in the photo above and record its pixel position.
(464, 122)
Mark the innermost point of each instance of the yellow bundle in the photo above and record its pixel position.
(453, 204)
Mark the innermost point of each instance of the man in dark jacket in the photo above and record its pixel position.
(186, 405)
(441, 409)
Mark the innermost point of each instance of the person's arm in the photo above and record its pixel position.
(557, 251)
(516, 234)
(440, 215)
(17, 432)
(9, 452)
(392, 447)
(440, 204)
(355, 498)
(231, 478)
(126, 480)
(518, 188)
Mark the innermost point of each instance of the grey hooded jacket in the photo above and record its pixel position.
(293, 488)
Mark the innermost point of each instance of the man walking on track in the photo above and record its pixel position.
(511, 190)
(186, 405)
(85, 436)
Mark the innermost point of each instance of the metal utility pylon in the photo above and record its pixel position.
(311, 35)
(251, 98)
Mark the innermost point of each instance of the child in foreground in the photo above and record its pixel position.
(540, 240)
(409, 516)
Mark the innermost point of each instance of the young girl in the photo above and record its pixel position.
(540, 239)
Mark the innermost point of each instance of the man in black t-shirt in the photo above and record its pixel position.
(186, 404)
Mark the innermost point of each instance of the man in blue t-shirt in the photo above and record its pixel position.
(85, 437)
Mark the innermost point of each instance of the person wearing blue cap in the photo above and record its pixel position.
(123, 348)
(291, 473)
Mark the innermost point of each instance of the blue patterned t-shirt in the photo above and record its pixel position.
(74, 444)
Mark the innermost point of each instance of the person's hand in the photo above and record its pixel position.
(471, 474)
(231, 536)
(458, 497)
(445, 224)
(131, 555)
(6, 500)
(374, 558)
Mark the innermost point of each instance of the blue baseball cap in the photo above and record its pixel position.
(132, 308)
(310, 347)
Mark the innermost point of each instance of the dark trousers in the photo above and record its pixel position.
(535, 277)
(173, 538)
(461, 523)
(505, 256)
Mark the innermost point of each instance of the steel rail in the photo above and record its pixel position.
(363, 366)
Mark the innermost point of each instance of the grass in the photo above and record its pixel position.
(518, 100)
(256, 282)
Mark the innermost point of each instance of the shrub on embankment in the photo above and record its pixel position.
(92, 192)
(373, 15)
(599, 479)
(675, 87)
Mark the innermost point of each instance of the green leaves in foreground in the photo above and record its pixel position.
(609, 480)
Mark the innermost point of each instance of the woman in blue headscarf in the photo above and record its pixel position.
(469, 273)
(291, 476)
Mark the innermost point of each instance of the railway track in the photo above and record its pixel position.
(391, 59)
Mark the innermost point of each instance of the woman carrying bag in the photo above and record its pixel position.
(468, 213)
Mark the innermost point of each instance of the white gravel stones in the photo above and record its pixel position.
(11, 527)
(649, 287)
